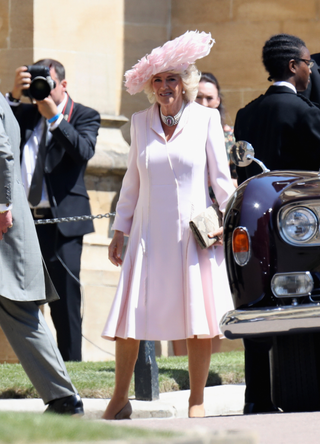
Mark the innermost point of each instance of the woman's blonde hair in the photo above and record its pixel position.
(190, 80)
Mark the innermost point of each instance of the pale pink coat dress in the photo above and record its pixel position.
(169, 288)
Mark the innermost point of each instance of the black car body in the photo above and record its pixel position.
(272, 250)
(259, 205)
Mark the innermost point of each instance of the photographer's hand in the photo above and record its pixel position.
(46, 107)
(22, 81)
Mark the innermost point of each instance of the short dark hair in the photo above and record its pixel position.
(58, 67)
(210, 78)
(278, 51)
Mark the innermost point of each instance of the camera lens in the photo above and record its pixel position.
(39, 88)
(41, 82)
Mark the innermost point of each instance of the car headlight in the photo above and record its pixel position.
(298, 225)
(299, 283)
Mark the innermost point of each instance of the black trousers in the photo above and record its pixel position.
(62, 256)
(257, 371)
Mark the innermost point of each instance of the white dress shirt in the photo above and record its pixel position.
(284, 83)
(30, 153)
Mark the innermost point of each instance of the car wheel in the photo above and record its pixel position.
(294, 363)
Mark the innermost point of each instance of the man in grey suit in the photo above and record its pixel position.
(24, 282)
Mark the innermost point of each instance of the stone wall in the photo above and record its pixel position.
(147, 25)
(240, 28)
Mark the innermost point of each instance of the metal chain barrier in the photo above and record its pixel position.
(58, 220)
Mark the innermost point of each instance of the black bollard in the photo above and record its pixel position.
(146, 373)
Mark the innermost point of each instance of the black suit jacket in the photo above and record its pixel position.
(72, 145)
(284, 130)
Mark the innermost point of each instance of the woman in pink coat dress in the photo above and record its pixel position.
(169, 288)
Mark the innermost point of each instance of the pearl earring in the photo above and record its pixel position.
(183, 92)
(153, 92)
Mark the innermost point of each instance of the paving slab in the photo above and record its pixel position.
(224, 423)
(219, 400)
(268, 428)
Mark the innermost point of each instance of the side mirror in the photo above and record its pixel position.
(242, 153)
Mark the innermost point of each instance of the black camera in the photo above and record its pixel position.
(41, 82)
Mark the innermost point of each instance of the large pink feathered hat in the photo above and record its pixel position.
(175, 55)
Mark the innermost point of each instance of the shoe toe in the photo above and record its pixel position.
(69, 405)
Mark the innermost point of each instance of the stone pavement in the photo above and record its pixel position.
(224, 423)
(273, 428)
(219, 400)
(172, 407)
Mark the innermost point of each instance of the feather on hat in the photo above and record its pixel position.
(174, 55)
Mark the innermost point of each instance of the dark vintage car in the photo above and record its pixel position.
(272, 249)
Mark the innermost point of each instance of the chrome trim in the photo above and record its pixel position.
(312, 205)
(270, 321)
(261, 164)
(249, 252)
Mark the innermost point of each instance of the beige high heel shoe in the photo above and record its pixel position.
(125, 412)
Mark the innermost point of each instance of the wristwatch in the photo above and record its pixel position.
(12, 99)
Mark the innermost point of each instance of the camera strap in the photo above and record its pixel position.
(68, 108)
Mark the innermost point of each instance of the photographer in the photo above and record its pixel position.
(58, 138)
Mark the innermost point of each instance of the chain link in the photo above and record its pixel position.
(58, 220)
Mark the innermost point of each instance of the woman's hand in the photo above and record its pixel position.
(219, 235)
(115, 248)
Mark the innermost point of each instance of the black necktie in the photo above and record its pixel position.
(35, 191)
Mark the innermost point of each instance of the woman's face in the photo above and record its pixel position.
(168, 89)
(208, 95)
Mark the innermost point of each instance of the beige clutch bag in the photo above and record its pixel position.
(206, 222)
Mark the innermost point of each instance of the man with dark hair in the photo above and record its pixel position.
(25, 284)
(58, 138)
(281, 125)
(313, 90)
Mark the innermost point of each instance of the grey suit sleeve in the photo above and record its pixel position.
(6, 164)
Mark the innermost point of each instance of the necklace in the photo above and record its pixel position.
(172, 120)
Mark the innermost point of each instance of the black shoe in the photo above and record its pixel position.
(252, 407)
(69, 405)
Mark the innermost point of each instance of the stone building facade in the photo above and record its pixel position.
(97, 41)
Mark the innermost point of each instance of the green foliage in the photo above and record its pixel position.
(225, 368)
(96, 379)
